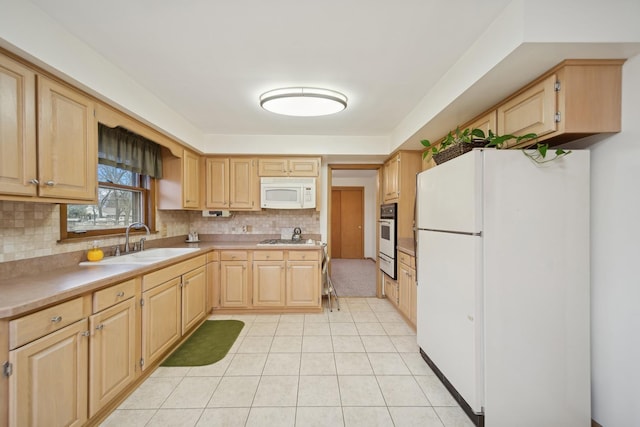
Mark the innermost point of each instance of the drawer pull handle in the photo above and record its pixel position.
(50, 183)
(120, 294)
(56, 319)
(100, 327)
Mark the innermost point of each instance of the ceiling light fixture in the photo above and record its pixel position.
(303, 101)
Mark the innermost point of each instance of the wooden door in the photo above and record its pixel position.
(268, 284)
(233, 284)
(194, 297)
(112, 353)
(217, 183)
(17, 129)
(49, 384)
(67, 143)
(347, 222)
(190, 180)
(161, 320)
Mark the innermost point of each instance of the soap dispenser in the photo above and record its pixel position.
(95, 253)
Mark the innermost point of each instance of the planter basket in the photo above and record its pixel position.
(456, 150)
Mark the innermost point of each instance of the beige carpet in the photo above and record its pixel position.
(354, 277)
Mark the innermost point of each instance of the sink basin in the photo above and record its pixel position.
(150, 256)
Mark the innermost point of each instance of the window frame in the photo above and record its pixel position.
(146, 185)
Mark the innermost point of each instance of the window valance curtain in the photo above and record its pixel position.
(124, 149)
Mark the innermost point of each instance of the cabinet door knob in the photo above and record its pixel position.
(50, 183)
(100, 327)
(120, 294)
(56, 319)
(34, 181)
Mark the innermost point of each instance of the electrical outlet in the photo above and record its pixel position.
(163, 230)
(244, 228)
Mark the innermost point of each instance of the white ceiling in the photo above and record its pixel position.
(210, 60)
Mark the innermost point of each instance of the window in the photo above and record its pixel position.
(123, 197)
(128, 165)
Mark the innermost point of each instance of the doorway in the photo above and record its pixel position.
(347, 222)
(354, 269)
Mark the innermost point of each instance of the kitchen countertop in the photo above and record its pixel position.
(407, 245)
(25, 293)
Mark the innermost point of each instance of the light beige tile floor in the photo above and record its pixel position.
(359, 366)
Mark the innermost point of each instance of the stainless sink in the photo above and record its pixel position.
(150, 256)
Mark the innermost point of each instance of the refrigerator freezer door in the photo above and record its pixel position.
(450, 195)
(450, 318)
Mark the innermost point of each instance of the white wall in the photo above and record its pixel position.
(370, 217)
(615, 254)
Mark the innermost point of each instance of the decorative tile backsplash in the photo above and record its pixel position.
(29, 230)
(260, 222)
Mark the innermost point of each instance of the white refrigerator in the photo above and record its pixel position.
(503, 285)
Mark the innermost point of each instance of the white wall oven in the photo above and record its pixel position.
(387, 244)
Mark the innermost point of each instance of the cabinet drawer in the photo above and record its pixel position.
(43, 322)
(158, 277)
(304, 255)
(233, 255)
(407, 259)
(112, 295)
(268, 255)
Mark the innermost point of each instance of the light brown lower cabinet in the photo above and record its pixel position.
(390, 289)
(48, 386)
(234, 284)
(161, 320)
(269, 283)
(303, 288)
(213, 280)
(407, 291)
(194, 298)
(112, 355)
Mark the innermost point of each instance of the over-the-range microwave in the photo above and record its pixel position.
(288, 193)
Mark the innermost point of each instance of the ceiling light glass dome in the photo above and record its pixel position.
(303, 101)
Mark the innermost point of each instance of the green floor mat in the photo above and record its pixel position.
(208, 344)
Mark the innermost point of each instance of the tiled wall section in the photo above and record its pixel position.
(262, 222)
(29, 230)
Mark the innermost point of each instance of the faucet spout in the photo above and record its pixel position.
(137, 226)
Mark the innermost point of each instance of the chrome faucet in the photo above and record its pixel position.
(137, 226)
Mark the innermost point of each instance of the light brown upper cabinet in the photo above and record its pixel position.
(232, 183)
(180, 187)
(66, 144)
(486, 123)
(399, 186)
(17, 129)
(577, 98)
(391, 179)
(533, 111)
(298, 166)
